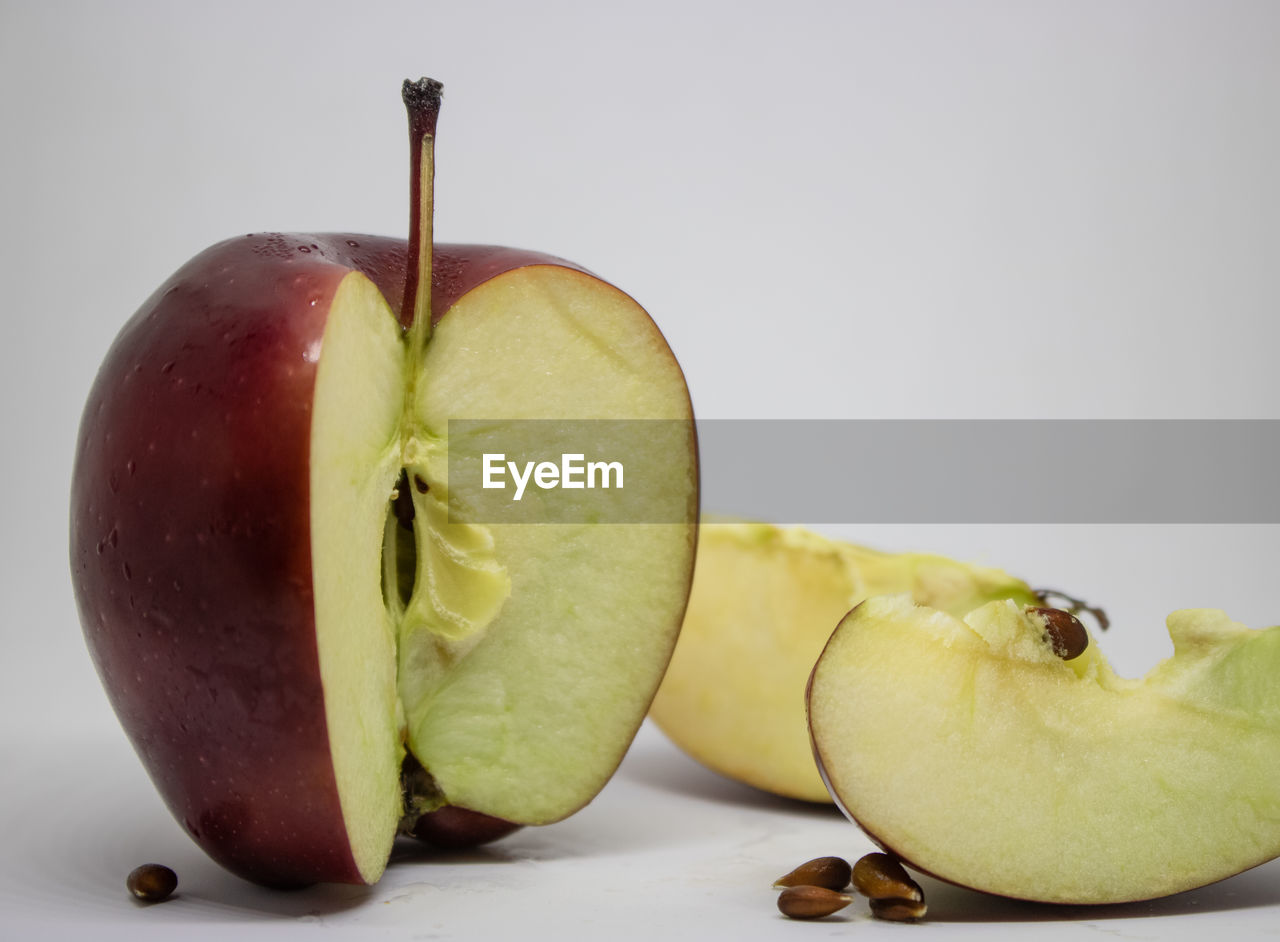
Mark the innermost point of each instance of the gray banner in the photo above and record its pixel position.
(871, 471)
(993, 471)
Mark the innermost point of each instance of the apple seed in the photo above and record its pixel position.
(880, 876)
(811, 902)
(1064, 632)
(831, 873)
(898, 910)
(151, 883)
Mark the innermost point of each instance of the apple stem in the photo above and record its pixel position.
(422, 101)
(1056, 599)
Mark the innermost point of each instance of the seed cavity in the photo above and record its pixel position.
(420, 793)
(881, 876)
(811, 902)
(151, 883)
(1063, 631)
(831, 873)
(402, 502)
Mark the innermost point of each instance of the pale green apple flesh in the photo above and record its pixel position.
(764, 602)
(974, 753)
(513, 661)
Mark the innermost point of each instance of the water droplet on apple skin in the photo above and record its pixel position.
(111, 540)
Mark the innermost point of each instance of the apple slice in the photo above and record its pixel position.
(972, 751)
(763, 604)
(310, 636)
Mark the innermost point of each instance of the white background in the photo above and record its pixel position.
(877, 209)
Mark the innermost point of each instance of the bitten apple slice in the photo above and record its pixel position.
(764, 602)
(974, 753)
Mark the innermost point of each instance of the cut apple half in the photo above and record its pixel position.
(764, 602)
(313, 636)
(974, 753)
(491, 660)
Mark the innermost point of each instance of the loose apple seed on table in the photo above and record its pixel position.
(898, 910)
(151, 883)
(881, 876)
(310, 638)
(833, 873)
(813, 889)
(811, 902)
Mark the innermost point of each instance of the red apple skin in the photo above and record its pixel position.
(191, 546)
(452, 828)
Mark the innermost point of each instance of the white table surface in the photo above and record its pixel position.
(668, 850)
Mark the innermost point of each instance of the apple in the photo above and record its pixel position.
(309, 641)
(972, 751)
(764, 602)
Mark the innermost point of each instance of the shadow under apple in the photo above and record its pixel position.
(1253, 888)
(656, 763)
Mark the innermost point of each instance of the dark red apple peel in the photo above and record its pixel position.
(198, 427)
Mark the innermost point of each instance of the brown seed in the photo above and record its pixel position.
(880, 876)
(1064, 632)
(829, 872)
(151, 882)
(898, 910)
(811, 902)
